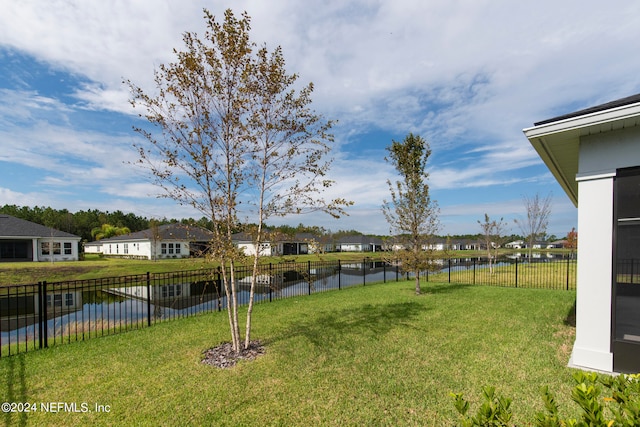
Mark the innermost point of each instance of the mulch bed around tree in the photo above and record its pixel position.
(223, 356)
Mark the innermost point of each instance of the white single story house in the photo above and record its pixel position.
(359, 243)
(595, 156)
(165, 241)
(516, 244)
(245, 243)
(22, 240)
(300, 244)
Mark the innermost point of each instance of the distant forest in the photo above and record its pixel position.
(82, 223)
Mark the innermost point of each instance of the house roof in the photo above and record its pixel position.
(19, 228)
(557, 140)
(166, 232)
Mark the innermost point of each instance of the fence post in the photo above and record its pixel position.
(568, 273)
(449, 270)
(384, 272)
(364, 273)
(474, 271)
(309, 275)
(516, 272)
(397, 271)
(339, 276)
(42, 306)
(271, 287)
(45, 316)
(148, 299)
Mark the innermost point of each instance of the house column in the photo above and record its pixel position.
(592, 347)
(34, 249)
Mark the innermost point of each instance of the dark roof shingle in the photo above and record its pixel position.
(15, 227)
(602, 107)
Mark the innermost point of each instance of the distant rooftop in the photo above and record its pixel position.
(633, 99)
(166, 232)
(15, 227)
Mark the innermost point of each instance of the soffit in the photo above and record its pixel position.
(558, 143)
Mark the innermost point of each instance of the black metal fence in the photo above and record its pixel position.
(545, 272)
(40, 315)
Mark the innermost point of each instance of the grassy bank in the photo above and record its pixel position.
(94, 267)
(374, 355)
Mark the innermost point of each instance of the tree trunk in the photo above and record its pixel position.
(418, 283)
(233, 325)
(234, 309)
(247, 336)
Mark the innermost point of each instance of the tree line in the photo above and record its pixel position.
(84, 223)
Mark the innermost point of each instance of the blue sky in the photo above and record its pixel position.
(467, 76)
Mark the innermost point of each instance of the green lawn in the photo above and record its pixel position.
(372, 355)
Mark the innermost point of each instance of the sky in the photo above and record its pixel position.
(466, 75)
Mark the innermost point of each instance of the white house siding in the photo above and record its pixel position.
(344, 247)
(172, 249)
(56, 249)
(592, 347)
(134, 249)
(162, 249)
(93, 248)
(600, 156)
(249, 249)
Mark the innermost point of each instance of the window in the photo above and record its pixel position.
(56, 248)
(170, 248)
(177, 248)
(44, 248)
(171, 291)
(67, 248)
(126, 248)
(61, 300)
(68, 300)
(163, 248)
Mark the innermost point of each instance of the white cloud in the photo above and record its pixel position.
(467, 75)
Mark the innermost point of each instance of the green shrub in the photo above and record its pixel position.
(493, 412)
(604, 401)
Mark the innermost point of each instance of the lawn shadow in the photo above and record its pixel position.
(442, 288)
(369, 320)
(16, 390)
(570, 319)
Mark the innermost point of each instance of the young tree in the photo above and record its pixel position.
(234, 134)
(289, 144)
(535, 225)
(572, 241)
(411, 214)
(492, 232)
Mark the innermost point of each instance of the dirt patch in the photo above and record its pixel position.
(41, 271)
(223, 356)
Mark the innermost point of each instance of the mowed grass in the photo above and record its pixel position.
(559, 274)
(372, 355)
